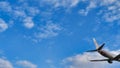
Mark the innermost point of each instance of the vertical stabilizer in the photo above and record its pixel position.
(96, 44)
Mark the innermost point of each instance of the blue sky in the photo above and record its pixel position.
(56, 33)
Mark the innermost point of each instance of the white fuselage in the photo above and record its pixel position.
(107, 54)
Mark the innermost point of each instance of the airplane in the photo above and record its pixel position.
(109, 57)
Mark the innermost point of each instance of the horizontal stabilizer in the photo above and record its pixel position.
(97, 49)
(101, 46)
(91, 51)
(99, 60)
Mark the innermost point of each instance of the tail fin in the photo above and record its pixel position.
(97, 46)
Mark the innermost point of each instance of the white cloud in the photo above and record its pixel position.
(25, 10)
(19, 13)
(74, 2)
(5, 6)
(49, 30)
(50, 63)
(82, 61)
(62, 3)
(5, 63)
(107, 2)
(26, 64)
(69, 3)
(3, 25)
(21, 63)
(28, 22)
(110, 12)
(91, 5)
(32, 11)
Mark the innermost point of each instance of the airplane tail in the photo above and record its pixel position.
(97, 46)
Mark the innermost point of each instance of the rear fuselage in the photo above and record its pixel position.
(106, 54)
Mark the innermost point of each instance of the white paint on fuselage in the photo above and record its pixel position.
(106, 54)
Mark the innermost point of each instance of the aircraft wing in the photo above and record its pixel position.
(99, 60)
(117, 57)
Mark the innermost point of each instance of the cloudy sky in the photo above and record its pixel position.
(56, 33)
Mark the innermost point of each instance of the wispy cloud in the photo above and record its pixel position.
(32, 11)
(23, 13)
(49, 30)
(4, 63)
(3, 25)
(19, 13)
(62, 3)
(5, 6)
(110, 12)
(26, 64)
(50, 63)
(91, 6)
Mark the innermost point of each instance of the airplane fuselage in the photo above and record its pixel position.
(107, 55)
